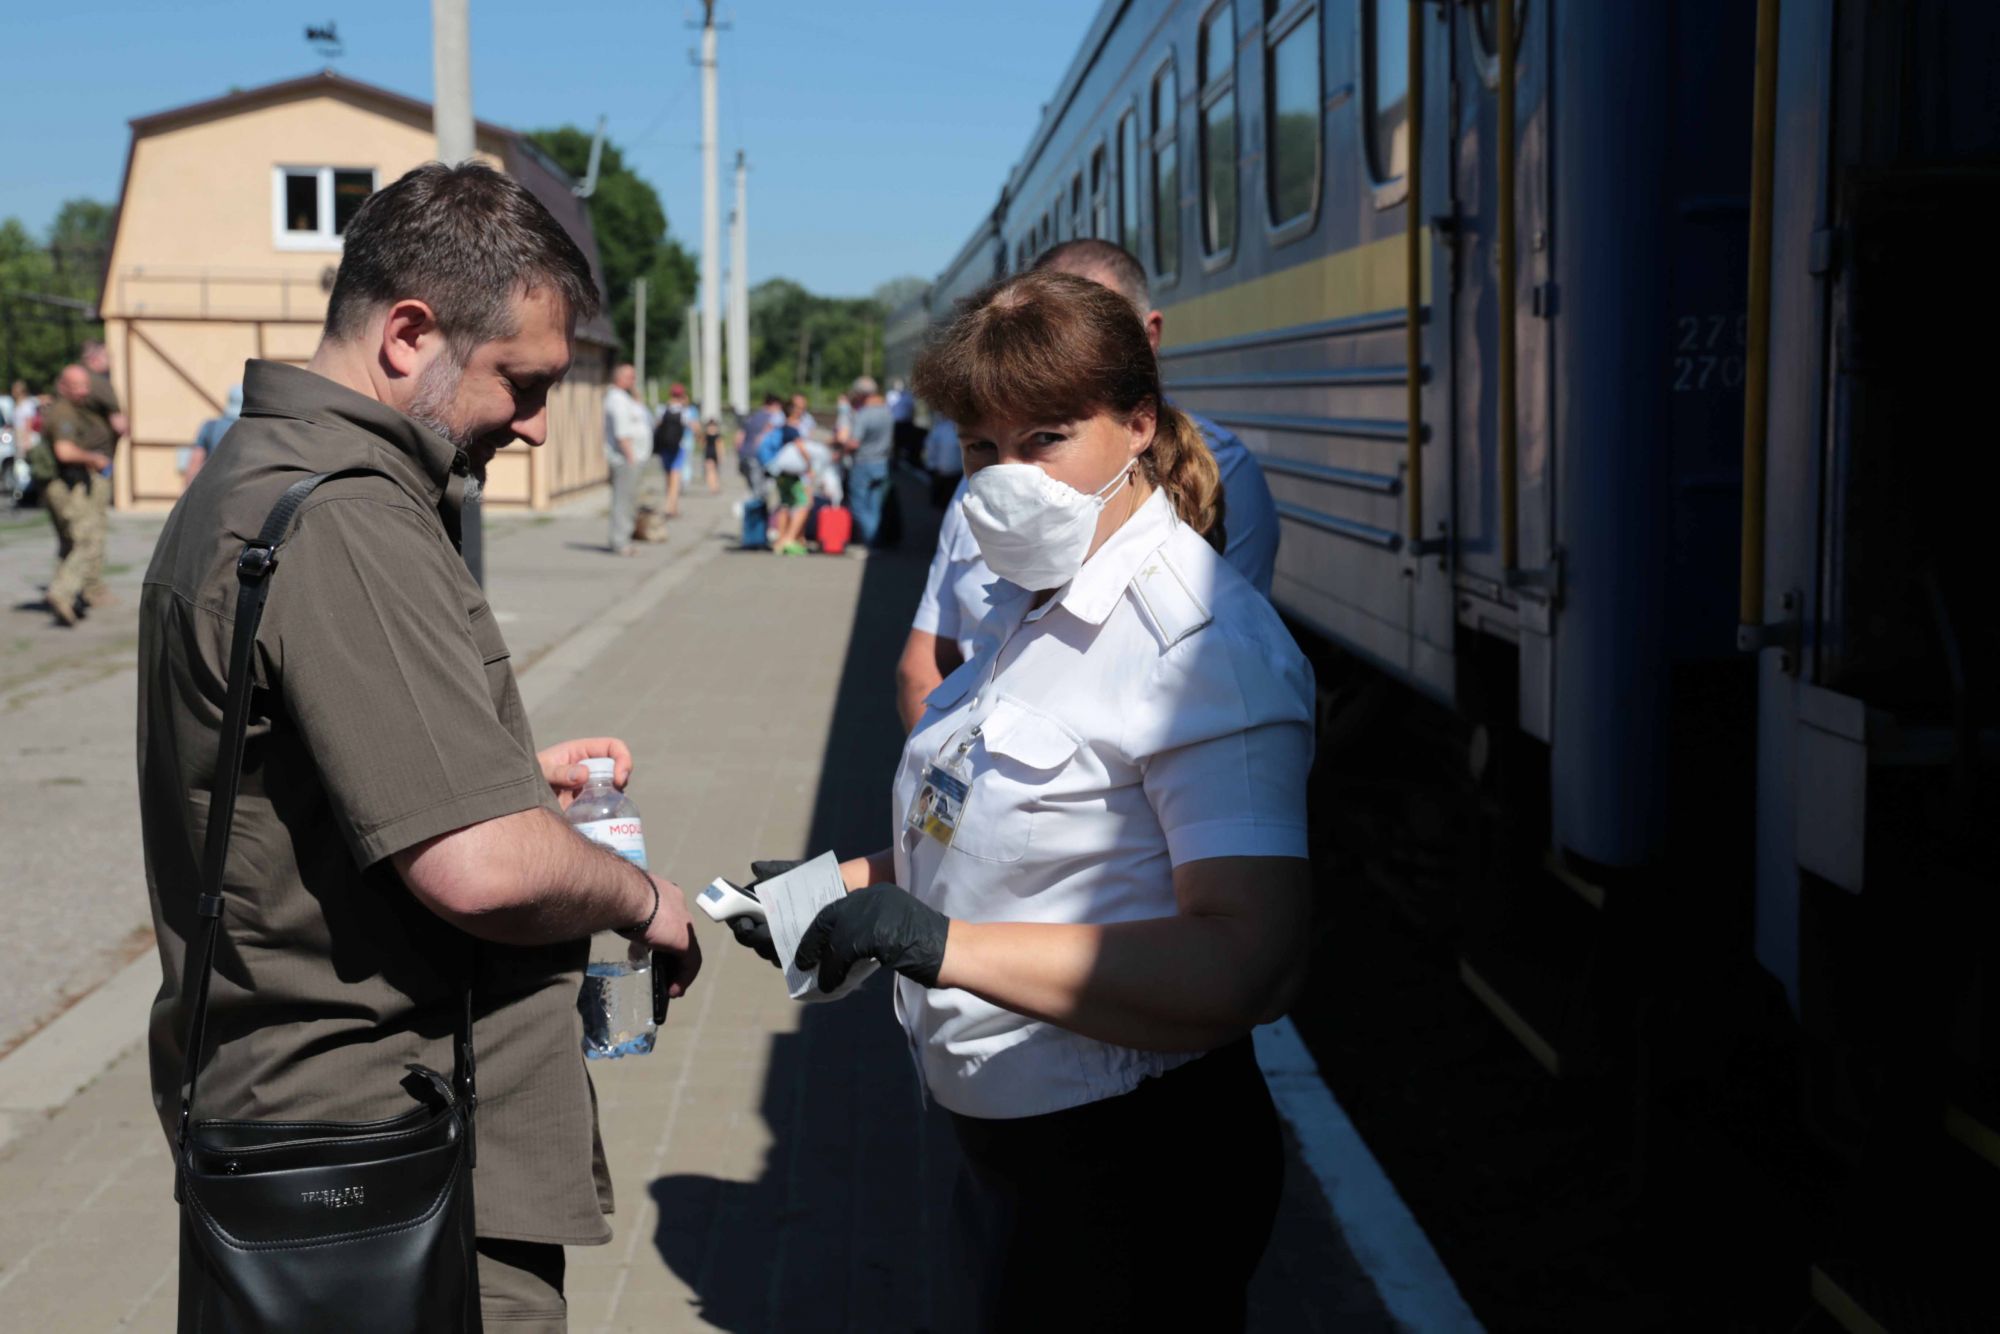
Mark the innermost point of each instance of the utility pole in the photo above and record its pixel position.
(451, 73)
(451, 113)
(739, 292)
(711, 228)
(639, 331)
(694, 349)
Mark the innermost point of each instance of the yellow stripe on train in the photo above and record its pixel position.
(1359, 281)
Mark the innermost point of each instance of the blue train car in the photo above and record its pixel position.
(1559, 490)
(1605, 362)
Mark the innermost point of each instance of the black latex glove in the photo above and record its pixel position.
(881, 922)
(754, 933)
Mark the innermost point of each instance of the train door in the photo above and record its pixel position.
(1503, 592)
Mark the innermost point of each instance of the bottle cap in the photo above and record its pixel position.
(601, 770)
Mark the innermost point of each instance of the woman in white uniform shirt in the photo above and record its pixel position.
(1123, 891)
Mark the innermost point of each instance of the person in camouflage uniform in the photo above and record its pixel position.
(78, 498)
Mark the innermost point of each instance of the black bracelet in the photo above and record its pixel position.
(639, 931)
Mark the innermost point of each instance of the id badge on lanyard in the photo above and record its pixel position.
(940, 803)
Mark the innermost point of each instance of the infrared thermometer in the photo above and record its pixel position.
(724, 902)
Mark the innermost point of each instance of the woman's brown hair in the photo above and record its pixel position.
(1052, 345)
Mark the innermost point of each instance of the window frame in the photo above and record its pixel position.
(1290, 16)
(1159, 139)
(1101, 190)
(1206, 95)
(1393, 191)
(324, 240)
(1140, 149)
(1153, 145)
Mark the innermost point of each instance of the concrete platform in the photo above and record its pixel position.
(773, 1167)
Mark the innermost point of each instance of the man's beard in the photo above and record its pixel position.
(437, 388)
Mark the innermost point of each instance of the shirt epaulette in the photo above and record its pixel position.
(1168, 600)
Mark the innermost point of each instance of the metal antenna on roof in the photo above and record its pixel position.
(589, 186)
(324, 39)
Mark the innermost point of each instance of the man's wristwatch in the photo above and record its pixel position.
(637, 931)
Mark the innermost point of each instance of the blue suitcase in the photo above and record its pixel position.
(756, 524)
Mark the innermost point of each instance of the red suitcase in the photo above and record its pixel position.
(836, 525)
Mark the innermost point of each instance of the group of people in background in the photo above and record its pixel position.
(795, 470)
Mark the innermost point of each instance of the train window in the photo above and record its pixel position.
(1385, 53)
(1291, 110)
(1128, 181)
(1216, 137)
(1100, 196)
(1166, 175)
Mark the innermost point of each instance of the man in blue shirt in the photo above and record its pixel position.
(942, 629)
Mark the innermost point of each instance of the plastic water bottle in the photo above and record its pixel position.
(617, 996)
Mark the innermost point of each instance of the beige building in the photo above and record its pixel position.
(228, 233)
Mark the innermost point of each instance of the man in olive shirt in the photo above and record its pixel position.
(77, 499)
(103, 398)
(397, 833)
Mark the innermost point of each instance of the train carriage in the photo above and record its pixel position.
(1692, 611)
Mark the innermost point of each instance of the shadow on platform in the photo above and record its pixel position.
(849, 1213)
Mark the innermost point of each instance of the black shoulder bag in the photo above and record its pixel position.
(315, 1225)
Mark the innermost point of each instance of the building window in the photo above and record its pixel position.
(1100, 196)
(1128, 182)
(1291, 112)
(1385, 76)
(1215, 74)
(312, 206)
(1166, 175)
(1079, 217)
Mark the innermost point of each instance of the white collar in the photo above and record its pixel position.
(1096, 588)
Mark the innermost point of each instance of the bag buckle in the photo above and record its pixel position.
(256, 562)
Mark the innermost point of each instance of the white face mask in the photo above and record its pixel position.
(1032, 529)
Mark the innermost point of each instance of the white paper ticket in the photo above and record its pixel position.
(791, 901)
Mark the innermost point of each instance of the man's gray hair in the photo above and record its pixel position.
(466, 241)
(1087, 257)
(865, 386)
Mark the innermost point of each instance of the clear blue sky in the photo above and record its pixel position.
(878, 131)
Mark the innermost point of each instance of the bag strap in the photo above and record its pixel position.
(253, 572)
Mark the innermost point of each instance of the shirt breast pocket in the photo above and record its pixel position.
(1021, 753)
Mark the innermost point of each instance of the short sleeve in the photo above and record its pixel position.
(937, 611)
(377, 664)
(1223, 739)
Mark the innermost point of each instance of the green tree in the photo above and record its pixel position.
(49, 290)
(800, 341)
(632, 240)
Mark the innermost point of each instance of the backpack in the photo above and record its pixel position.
(667, 435)
(42, 464)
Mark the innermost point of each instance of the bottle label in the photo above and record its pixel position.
(622, 836)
